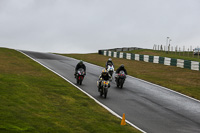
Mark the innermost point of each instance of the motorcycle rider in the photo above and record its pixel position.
(104, 76)
(80, 65)
(121, 68)
(109, 62)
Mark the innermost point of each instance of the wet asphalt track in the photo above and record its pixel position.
(149, 107)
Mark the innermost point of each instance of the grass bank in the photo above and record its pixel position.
(175, 55)
(33, 99)
(181, 80)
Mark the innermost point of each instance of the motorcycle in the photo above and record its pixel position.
(110, 69)
(103, 90)
(120, 79)
(80, 75)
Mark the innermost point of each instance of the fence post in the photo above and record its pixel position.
(193, 53)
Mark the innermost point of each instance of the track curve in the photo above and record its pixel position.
(148, 106)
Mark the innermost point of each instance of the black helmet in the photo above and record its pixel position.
(81, 62)
(122, 65)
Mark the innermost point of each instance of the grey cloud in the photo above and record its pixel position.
(86, 26)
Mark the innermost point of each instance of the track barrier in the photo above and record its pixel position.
(193, 65)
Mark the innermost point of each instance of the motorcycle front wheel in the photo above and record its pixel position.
(80, 82)
(105, 92)
(121, 85)
(101, 93)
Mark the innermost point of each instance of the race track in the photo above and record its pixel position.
(152, 108)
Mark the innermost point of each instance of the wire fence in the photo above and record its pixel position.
(178, 50)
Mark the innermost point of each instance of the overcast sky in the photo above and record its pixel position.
(83, 26)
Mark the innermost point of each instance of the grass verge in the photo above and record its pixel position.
(33, 99)
(181, 80)
(177, 55)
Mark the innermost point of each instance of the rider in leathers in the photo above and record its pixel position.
(104, 76)
(109, 62)
(80, 65)
(121, 68)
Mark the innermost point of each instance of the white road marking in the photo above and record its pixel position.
(111, 111)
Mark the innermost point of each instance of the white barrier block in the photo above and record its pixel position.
(156, 59)
(105, 52)
(180, 63)
(109, 53)
(167, 61)
(115, 54)
(137, 57)
(146, 58)
(128, 56)
(195, 65)
(121, 55)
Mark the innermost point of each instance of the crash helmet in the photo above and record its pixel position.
(122, 65)
(110, 59)
(104, 72)
(81, 62)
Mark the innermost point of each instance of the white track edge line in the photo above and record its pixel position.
(111, 111)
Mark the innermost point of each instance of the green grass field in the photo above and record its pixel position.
(181, 80)
(175, 55)
(33, 99)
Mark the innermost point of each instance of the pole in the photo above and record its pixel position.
(167, 43)
(193, 53)
(175, 49)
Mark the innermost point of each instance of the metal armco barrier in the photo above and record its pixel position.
(193, 65)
